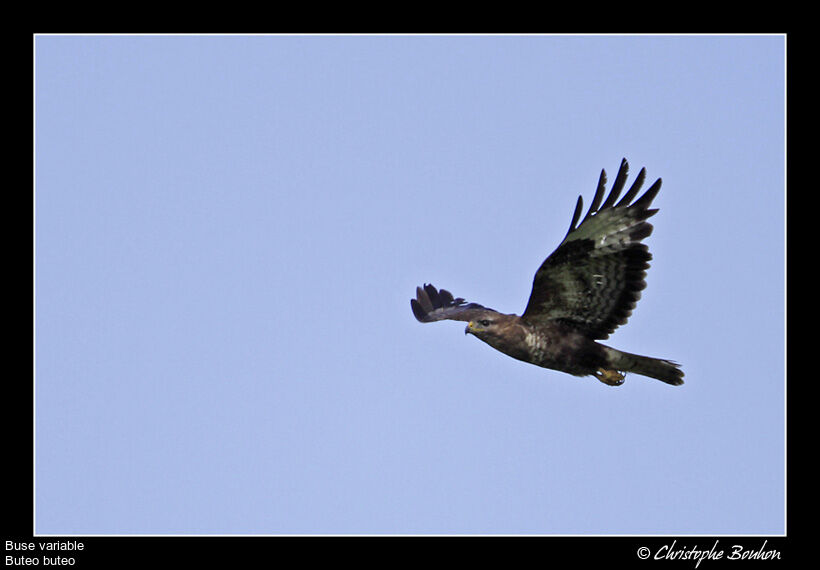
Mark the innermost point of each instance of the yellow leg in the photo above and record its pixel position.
(609, 377)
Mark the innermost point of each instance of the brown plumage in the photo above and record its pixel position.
(581, 293)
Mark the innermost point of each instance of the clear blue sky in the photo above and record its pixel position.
(229, 231)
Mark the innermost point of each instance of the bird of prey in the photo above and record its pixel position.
(581, 293)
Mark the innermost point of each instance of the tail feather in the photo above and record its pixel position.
(658, 368)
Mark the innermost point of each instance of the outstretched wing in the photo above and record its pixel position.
(593, 280)
(432, 305)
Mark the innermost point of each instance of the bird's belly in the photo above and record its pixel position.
(570, 352)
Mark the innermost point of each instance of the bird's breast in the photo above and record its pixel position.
(537, 344)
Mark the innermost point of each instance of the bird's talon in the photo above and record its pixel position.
(610, 377)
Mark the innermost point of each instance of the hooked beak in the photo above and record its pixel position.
(470, 328)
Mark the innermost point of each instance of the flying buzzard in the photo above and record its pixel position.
(581, 293)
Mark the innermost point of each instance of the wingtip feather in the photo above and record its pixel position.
(645, 201)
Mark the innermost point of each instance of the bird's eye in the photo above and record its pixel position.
(484, 323)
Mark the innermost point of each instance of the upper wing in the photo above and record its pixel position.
(593, 280)
(432, 305)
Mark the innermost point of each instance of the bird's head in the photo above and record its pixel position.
(485, 325)
(502, 332)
